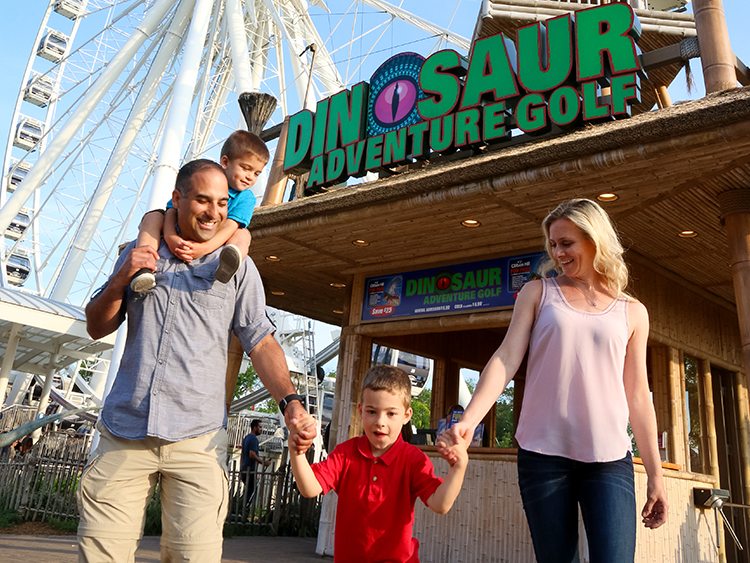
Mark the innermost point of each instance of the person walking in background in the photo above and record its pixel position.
(586, 378)
(250, 458)
(164, 419)
(378, 477)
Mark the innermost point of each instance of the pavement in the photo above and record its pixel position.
(245, 549)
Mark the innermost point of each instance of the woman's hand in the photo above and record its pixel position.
(452, 443)
(655, 510)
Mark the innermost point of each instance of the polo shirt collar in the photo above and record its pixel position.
(363, 446)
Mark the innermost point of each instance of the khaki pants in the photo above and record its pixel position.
(118, 482)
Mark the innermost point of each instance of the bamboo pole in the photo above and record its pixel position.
(717, 57)
(662, 97)
(735, 213)
(274, 193)
(712, 449)
(676, 408)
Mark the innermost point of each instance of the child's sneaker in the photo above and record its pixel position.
(143, 281)
(229, 262)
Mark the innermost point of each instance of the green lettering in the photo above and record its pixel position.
(494, 121)
(319, 128)
(591, 107)
(530, 113)
(411, 288)
(336, 161)
(467, 128)
(564, 106)
(439, 80)
(297, 148)
(355, 165)
(545, 58)
(317, 172)
(490, 75)
(456, 281)
(469, 282)
(625, 90)
(394, 149)
(416, 133)
(441, 133)
(496, 277)
(374, 152)
(604, 42)
(347, 116)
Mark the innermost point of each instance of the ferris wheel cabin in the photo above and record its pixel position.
(28, 133)
(71, 9)
(18, 266)
(18, 225)
(16, 174)
(39, 90)
(53, 46)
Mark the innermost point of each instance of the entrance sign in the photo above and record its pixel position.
(460, 288)
(414, 107)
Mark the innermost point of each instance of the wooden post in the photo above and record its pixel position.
(276, 185)
(735, 215)
(712, 450)
(677, 432)
(717, 57)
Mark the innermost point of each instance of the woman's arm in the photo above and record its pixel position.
(500, 369)
(643, 417)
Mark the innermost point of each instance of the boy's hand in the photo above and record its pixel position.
(302, 427)
(454, 442)
(180, 247)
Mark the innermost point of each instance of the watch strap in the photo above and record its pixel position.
(288, 399)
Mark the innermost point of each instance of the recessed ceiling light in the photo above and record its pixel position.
(470, 223)
(360, 242)
(272, 258)
(338, 311)
(278, 292)
(337, 285)
(606, 197)
(687, 233)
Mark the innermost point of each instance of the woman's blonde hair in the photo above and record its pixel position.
(588, 216)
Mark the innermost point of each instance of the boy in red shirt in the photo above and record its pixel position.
(378, 477)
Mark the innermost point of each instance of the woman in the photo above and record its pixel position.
(586, 377)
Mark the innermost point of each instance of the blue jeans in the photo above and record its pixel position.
(552, 487)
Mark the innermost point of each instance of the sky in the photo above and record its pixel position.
(20, 22)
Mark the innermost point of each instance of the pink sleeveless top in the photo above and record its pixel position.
(574, 403)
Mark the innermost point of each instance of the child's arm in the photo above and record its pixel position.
(308, 484)
(225, 232)
(179, 246)
(445, 495)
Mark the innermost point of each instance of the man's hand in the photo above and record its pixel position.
(301, 425)
(138, 258)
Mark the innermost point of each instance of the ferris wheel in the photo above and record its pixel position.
(116, 93)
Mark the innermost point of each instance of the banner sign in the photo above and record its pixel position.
(414, 107)
(460, 288)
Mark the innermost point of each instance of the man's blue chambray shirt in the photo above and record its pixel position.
(171, 380)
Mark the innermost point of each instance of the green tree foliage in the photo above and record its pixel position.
(504, 423)
(248, 381)
(421, 407)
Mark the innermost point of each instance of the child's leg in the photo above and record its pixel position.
(241, 239)
(149, 234)
(234, 252)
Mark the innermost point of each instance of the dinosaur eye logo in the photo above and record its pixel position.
(394, 92)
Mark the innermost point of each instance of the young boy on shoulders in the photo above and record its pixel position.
(243, 157)
(378, 477)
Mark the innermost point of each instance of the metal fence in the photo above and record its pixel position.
(41, 485)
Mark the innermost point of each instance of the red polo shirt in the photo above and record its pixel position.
(375, 511)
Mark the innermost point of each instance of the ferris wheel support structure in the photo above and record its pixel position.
(55, 149)
(137, 117)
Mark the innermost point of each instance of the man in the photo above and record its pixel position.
(250, 458)
(164, 418)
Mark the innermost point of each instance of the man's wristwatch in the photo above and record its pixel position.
(288, 399)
